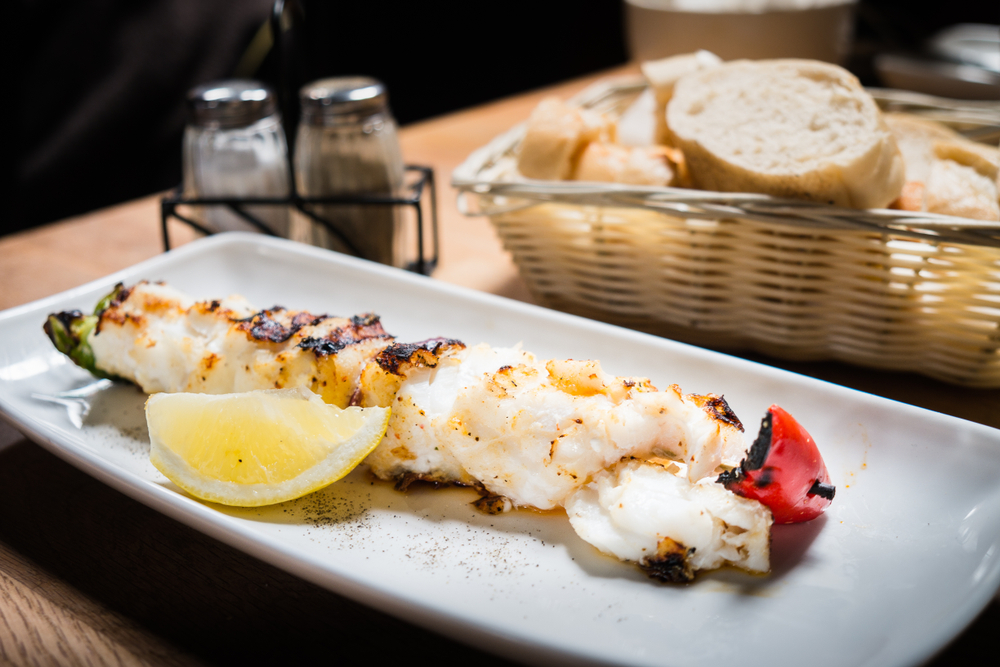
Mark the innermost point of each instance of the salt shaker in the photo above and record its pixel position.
(346, 144)
(234, 146)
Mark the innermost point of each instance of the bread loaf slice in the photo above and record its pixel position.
(789, 128)
(662, 75)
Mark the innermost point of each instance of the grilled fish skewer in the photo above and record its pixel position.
(526, 432)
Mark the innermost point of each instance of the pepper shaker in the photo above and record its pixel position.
(347, 145)
(234, 146)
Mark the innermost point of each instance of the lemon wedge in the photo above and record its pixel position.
(259, 447)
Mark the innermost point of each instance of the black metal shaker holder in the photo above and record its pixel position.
(412, 197)
(285, 13)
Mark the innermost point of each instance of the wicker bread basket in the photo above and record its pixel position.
(796, 280)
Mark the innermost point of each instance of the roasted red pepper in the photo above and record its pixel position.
(783, 470)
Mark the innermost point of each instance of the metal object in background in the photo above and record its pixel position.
(419, 182)
(960, 61)
(414, 200)
(347, 145)
(970, 43)
(234, 146)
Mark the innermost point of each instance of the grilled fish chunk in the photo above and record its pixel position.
(562, 433)
(163, 340)
(642, 511)
(534, 431)
(420, 383)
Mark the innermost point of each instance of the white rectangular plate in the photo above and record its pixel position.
(906, 556)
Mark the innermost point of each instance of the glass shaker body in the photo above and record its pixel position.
(235, 147)
(347, 145)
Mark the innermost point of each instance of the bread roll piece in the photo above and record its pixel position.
(663, 74)
(556, 135)
(923, 141)
(945, 172)
(789, 128)
(614, 163)
(955, 189)
(916, 137)
(984, 159)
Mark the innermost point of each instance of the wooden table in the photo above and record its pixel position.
(89, 576)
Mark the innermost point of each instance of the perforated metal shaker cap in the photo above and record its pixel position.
(343, 95)
(230, 104)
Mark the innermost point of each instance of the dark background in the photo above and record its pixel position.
(98, 85)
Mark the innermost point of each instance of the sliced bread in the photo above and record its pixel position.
(662, 75)
(789, 128)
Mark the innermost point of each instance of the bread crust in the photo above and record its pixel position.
(758, 103)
